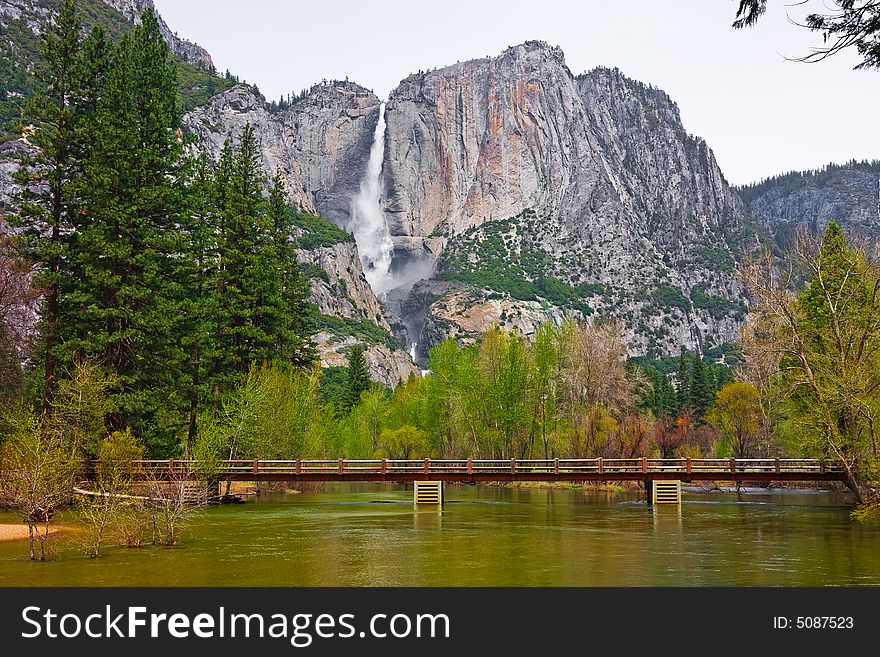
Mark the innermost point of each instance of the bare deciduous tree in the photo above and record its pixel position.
(37, 475)
(173, 497)
(116, 471)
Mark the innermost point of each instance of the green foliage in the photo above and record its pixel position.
(116, 473)
(256, 291)
(38, 474)
(736, 416)
(717, 306)
(169, 276)
(195, 86)
(342, 327)
(117, 456)
(316, 231)
(357, 376)
(832, 399)
(80, 409)
(713, 257)
(788, 183)
(696, 382)
(667, 296)
(404, 443)
(11, 375)
(499, 256)
(662, 399)
(21, 56)
(274, 413)
(823, 344)
(333, 386)
(310, 271)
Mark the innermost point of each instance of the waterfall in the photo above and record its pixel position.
(368, 220)
(412, 351)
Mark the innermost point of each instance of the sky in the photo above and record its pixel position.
(761, 113)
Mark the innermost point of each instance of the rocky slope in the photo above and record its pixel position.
(536, 177)
(186, 50)
(848, 193)
(224, 118)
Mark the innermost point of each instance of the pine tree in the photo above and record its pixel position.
(44, 216)
(196, 272)
(239, 336)
(294, 331)
(11, 378)
(683, 395)
(357, 376)
(664, 403)
(127, 243)
(701, 388)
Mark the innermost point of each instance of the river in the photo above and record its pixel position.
(370, 535)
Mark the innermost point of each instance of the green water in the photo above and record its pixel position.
(370, 535)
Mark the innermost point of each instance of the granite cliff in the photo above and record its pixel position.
(548, 192)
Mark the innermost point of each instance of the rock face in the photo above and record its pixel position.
(345, 292)
(590, 180)
(320, 144)
(186, 50)
(35, 15)
(848, 193)
(225, 117)
(387, 366)
(516, 193)
(332, 129)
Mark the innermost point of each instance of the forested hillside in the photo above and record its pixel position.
(21, 57)
(848, 193)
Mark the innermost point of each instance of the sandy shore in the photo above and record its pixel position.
(13, 532)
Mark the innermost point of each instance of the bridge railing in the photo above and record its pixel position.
(487, 467)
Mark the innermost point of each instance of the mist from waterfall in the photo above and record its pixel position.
(368, 220)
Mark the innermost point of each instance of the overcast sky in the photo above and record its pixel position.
(761, 114)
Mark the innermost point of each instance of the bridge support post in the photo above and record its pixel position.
(649, 491)
(666, 492)
(428, 493)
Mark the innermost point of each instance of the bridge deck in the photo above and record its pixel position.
(481, 470)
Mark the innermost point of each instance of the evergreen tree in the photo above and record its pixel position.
(196, 272)
(44, 216)
(127, 248)
(238, 287)
(11, 377)
(294, 330)
(683, 395)
(663, 401)
(357, 376)
(701, 388)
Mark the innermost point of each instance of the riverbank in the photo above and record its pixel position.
(13, 532)
(18, 531)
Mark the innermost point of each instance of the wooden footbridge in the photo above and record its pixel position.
(646, 470)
